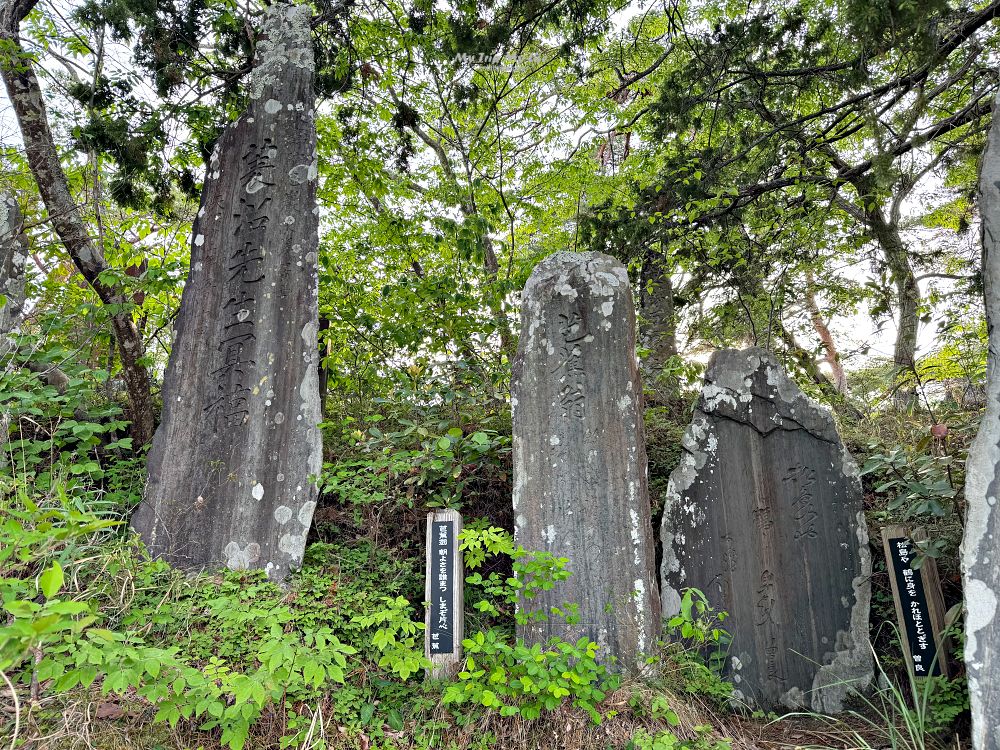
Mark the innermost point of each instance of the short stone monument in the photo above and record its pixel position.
(980, 549)
(230, 466)
(764, 515)
(580, 485)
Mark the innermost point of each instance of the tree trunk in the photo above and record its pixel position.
(13, 253)
(324, 372)
(832, 355)
(753, 286)
(658, 326)
(25, 95)
(897, 258)
(807, 362)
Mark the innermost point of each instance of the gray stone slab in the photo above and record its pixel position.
(764, 515)
(580, 485)
(981, 545)
(229, 467)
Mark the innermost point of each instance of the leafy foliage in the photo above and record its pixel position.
(786, 166)
(699, 646)
(918, 484)
(667, 740)
(516, 679)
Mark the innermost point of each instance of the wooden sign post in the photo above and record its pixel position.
(445, 618)
(919, 603)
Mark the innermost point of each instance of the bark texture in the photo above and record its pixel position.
(658, 332)
(764, 514)
(580, 479)
(980, 561)
(908, 301)
(13, 256)
(832, 357)
(230, 467)
(26, 99)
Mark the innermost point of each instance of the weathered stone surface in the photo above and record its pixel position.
(580, 485)
(230, 464)
(764, 515)
(981, 545)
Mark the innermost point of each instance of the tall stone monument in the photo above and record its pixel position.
(981, 545)
(580, 485)
(764, 515)
(230, 466)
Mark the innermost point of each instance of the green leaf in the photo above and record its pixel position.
(395, 720)
(51, 580)
(152, 667)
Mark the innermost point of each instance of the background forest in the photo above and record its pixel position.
(798, 175)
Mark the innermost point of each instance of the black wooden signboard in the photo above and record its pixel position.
(913, 608)
(442, 636)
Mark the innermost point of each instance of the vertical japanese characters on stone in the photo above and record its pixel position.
(580, 484)
(230, 467)
(764, 514)
(981, 545)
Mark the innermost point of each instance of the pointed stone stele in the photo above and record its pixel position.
(580, 485)
(230, 466)
(764, 515)
(981, 545)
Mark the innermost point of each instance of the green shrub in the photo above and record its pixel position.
(432, 446)
(915, 483)
(522, 680)
(534, 572)
(238, 644)
(513, 678)
(667, 740)
(698, 645)
(33, 540)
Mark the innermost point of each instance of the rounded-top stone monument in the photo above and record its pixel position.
(580, 485)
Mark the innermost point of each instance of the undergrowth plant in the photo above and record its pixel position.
(667, 740)
(697, 646)
(915, 714)
(63, 434)
(218, 651)
(534, 572)
(432, 445)
(505, 674)
(917, 483)
(520, 680)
